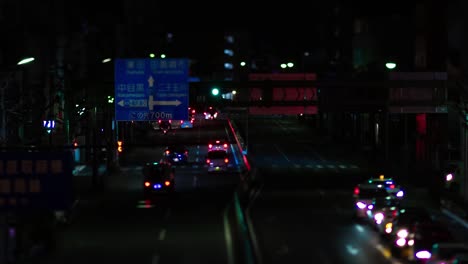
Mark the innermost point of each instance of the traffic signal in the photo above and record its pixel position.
(215, 91)
(119, 146)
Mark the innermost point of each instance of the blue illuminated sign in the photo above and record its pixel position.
(41, 179)
(151, 89)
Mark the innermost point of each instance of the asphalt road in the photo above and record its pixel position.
(188, 227)
(302, 211)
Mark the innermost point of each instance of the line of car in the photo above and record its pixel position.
(413, 233)
(159, 176)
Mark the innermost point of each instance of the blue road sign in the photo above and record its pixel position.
(151, 89)
(40, 179)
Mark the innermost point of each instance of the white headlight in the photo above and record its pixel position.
(403, 233)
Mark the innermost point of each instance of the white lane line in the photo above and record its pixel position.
(167, 214)
(155, 259)
(281, 152)
(195, 181)
(251, 229)
(162, 234)
(227, 236)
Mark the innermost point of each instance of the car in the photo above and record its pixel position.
(211, 113)
(176, 154)
(218, 144)
(217, 161)
(188, 123)
(158, 178)
(443, 253)
(364, 196)
(407, 217)
(389, 184)
(415, 244)
(165, 125)
(459, 259)
(384, 210)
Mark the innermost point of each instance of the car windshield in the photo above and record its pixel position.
(369, 193)
(176, 149)
(154, 171)
(385, 202)
(217, 154)
(408, 216)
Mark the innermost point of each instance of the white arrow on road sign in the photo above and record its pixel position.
(150, 81)
(121, 103)
(152, 103)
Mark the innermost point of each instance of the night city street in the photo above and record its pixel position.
(162, 132)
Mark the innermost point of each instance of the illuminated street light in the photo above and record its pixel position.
(390, 65)
(234, 92)
(242, 63)
(163, 56)
(283, 66)
(106, 60)
(152, 55)
(25, 60)
(290, 64)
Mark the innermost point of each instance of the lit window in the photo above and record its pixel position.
(229, 52)
(230, 39)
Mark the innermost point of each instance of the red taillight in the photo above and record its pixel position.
(191, 121)
(181, 121)
(225, 145)
(193, 111)
(210, 146)
(356, 190)
(392, 186)
(167, 183)
(208, 161)
(170, 121)
(217, 141)
(394, 213)
(147, 184)
(167, 152)
(159, 121)
(226, 160)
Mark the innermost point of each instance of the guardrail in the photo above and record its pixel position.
(246, 245)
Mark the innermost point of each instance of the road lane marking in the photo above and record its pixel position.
(155, 259)
(162, 234)
(227, 236)
(251, 229)
(281, 152)
(167, 214)
(195, 181)
(352, 250)
(359, 228)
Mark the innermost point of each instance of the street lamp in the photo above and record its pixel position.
(2, 91)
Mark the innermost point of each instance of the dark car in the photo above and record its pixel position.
(165, 124)
(158, 178)
(176, 154)
(420, 238)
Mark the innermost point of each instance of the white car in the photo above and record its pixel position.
(364, 197)
(389, 184)
(383, 212)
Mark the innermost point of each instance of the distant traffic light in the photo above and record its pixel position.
(75, 144)
(119, 146)
(215, 91)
